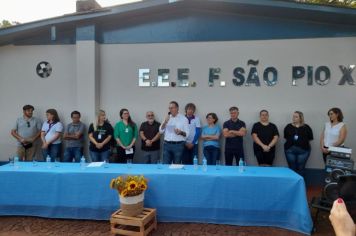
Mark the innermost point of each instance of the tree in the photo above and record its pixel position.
(340, 3)
(6, 23)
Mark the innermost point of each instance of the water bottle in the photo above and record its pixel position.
(241, 165)
(205, 164)
(48, 161)
(16, 162)
(105, 164)
(195, 162)
(34, 161)
(82, 162)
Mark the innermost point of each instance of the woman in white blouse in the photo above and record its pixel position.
(334, 133)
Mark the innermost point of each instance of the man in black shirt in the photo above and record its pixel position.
(150, 139)
(234, 130)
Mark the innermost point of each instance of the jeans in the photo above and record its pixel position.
(188, 154)
(297, 158)
(150, 157)
(172, 152)
(211, 154)
(53, 150)
(71, 153)
(100, 156)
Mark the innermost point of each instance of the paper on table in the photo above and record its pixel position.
(129, 151)
(176, 166)
(95, 164)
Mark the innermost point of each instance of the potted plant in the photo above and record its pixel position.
(131, 189)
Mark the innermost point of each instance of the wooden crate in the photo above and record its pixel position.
(140, 225)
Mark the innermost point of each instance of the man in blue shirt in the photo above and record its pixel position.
(234, 130)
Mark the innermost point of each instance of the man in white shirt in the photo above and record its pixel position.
(175, 129)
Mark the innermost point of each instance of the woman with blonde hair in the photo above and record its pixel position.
(297, 146)
(100, 133)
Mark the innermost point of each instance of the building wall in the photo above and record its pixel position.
(20, 85)
(117, 67)
(119, 83)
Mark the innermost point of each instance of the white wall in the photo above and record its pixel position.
(119, 83)
(20, 85)
(118, 67)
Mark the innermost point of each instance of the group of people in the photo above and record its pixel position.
(181, 137)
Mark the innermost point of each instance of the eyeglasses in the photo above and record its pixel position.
(150, 115)
(28, 124)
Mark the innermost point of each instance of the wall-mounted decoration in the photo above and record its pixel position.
(43, 69)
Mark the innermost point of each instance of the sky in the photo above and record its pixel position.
(31, 10)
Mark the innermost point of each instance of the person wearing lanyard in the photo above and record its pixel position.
(175, 129)
(297, 146)
(100, 133)
(125, 134)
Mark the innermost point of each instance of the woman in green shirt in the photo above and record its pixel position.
(125, 134)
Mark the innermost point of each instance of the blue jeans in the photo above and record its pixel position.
(53, 150)
(100, 156)
(211, 154)
(72, 152)
(172, 152)
(150, 157)
(188, 154)
(297, 158)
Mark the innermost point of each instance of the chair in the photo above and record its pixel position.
(345, 187)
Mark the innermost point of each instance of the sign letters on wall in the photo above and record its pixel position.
(247, 76)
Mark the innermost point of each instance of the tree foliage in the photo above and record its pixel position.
(340, 3)
(6, 23)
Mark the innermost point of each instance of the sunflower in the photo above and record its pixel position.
(143, 186)
(132, 185)
(112, 183)
(124, 193)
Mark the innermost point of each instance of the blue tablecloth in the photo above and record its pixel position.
(256, 197)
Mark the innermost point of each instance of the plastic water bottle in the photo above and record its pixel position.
(48, 161)
(205, 164)
(195, 162)
(34, 161)
(106, 164)
(16, 162)
(241, 165)
(82, 162)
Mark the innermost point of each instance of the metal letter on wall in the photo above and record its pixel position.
(239, 79)
(253, 77)
(163, 78)
(298, 72)
(183, 78)
(326, 79)
(273, 80)
(144, 78)
(346, 77)
(213, 75)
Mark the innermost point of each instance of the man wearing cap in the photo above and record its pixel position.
(26, 130)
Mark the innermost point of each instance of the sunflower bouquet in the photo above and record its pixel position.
(129, 185)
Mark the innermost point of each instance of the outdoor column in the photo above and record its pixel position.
(88, 72)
